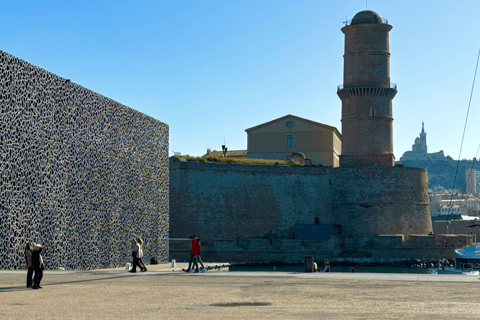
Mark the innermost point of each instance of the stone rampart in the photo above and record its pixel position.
(78, 171)
(381, 200)
(265, 204)
(249, 201)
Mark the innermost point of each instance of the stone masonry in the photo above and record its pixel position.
(251, 212)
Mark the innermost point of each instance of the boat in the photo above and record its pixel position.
(467, 262)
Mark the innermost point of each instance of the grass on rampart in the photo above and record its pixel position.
(241, 161)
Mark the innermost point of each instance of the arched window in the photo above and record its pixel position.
(317, 221)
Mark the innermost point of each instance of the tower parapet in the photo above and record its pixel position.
(366, 93)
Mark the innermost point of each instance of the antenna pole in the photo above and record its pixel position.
(366, 4)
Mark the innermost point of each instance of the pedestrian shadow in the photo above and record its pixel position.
(21, 288)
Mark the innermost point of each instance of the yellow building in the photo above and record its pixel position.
(278, 139)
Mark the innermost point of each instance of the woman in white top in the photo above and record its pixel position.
(137, 255)
(140, 254)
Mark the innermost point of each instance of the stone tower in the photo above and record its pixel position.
(366, 93)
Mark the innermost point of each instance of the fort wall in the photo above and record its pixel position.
(238, 210)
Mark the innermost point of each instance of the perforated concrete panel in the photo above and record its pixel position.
(78, 171)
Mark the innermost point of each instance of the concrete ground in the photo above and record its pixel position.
(166, 293)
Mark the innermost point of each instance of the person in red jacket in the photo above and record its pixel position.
(199, 259)
(192, 258)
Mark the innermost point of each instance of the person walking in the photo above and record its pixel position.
(136, 252)
(192, 257)
(37, 262)
(140, 254)
(30, 268)
(199, 259)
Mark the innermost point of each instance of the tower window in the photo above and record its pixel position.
(290, 141)
(372, 112)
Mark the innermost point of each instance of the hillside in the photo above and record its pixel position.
(442, 173)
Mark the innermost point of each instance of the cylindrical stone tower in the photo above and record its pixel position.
(366, 94)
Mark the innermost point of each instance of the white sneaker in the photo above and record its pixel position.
(203, 270)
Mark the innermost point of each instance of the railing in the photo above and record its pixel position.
(392, 86)
(348, 22)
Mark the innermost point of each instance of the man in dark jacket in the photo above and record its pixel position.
(37, 263)
(28, 259)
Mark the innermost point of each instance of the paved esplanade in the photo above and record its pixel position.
(162, 293)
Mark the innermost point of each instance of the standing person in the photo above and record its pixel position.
(37, 262)
(199, 259)
(30, 268)
(140, 254)
(327, 266)
(192, 257)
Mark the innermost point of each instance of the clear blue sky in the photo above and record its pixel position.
(211, 69)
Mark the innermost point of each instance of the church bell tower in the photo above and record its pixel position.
(366, 93)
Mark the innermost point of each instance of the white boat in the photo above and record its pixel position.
(467, 262)
(453, 271)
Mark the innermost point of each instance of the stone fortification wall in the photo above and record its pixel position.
(78, 171)
(230, 201)
(381, 200)
(471, 227)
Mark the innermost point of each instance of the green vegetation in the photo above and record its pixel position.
(240, 161)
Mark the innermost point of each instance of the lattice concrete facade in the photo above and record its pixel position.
(78, 171)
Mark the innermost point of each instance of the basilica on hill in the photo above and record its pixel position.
(419, 150)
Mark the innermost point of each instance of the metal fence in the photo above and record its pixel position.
(392, 85)
(349, 22)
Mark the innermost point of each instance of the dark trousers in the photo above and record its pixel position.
(200, 260)
(136, 262)
(192, 260)
(30, 276)
(141, 264)
(38, 276)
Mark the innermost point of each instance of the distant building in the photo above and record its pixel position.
(280, 138)
(453, 202)
(453, 210)
(437, 197)
(472, 178)
(236, 154)
(419, 150)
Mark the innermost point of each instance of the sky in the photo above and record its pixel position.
(211, 69)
